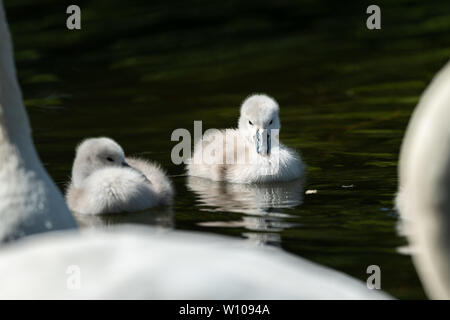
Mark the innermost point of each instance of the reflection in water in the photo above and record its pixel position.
(256, 201)
(160, 217)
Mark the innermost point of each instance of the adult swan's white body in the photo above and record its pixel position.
(29, 200)
(132, 262)
(424, 193)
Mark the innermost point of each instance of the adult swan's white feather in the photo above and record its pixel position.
(29, 200)
(132, 262)
(424, 192)
(136, 263)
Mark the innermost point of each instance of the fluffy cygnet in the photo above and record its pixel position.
(249, 154)
(104, 181)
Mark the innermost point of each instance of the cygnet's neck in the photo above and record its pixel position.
(79, 172)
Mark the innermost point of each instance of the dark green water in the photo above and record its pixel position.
(137, 71)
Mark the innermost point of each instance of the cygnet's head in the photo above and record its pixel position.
(96, 153)
(259, 118)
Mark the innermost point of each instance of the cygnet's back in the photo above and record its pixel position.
(162, 186)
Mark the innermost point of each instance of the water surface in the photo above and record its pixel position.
(137, 71)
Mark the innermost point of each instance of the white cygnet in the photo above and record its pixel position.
(249, 154)
(104, 181)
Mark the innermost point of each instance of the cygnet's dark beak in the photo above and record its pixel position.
(125, 164)
(262, 141)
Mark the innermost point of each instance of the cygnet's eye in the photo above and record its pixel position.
(250, 123)
(110, 159)
(270, 122)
